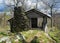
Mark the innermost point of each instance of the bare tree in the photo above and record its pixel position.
(51, 6)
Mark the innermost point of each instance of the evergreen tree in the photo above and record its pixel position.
(19, 21)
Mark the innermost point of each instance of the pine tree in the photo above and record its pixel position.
(20, 19)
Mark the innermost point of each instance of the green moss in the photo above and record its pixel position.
(4, 34)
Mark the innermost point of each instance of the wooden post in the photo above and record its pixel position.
(44, 24)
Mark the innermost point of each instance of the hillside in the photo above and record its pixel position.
(30, 36)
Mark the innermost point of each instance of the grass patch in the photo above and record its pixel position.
(41, 37)
(55, 34)
(31, 36)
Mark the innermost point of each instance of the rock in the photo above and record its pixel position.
(19, 36)
(8, 41)
(16, 40)
(5, 39)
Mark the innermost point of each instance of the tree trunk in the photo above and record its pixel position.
(4, 24)
(51, 18)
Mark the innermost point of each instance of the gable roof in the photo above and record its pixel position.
(38, 12)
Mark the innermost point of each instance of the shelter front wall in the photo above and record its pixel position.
(39, 22)
(40, 19)
(34, 15)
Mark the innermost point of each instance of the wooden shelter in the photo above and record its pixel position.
(35, 17)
